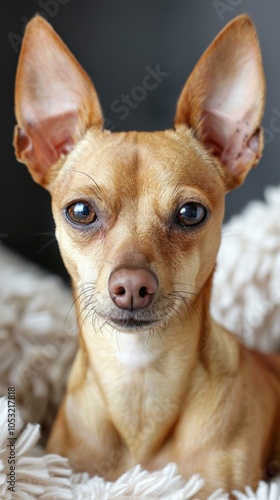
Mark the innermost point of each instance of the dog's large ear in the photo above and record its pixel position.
(223, 99)
(55, 100)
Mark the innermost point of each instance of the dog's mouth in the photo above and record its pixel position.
(132, 323)
(139, 320)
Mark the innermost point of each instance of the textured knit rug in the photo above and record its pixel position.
(38, 343)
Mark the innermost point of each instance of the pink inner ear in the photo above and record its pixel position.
(231, 139)
(232, 108)
(55, 100)
(44, 143)
(223, 99)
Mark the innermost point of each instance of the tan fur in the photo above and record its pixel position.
(181, 389)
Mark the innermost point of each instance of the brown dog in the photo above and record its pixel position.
(138, 220)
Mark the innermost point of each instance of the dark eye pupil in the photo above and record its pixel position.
(191, 214)
(81, 213)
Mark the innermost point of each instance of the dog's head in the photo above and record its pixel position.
(138, 215)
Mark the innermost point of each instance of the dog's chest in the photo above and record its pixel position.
(136, 384)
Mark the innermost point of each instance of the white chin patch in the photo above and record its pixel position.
(135, 350)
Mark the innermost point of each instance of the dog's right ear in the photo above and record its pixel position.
(55, 100)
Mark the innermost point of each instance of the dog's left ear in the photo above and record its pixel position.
(55, 100)
(223, 100)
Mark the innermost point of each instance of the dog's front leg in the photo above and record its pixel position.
(88, 437)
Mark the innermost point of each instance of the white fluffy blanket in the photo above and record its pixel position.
(38, 342)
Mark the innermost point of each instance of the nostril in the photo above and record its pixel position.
(120, 291)
(143, 292)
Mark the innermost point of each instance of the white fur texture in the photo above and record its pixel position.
(246, 293)
(38, 342)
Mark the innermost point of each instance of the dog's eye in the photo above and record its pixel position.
(191, 214)
(81, 213)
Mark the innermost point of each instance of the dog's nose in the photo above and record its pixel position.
(132, 288)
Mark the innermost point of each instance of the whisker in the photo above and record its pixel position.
(94, 182)
(46, 246)
(191, 307)
(85, 293)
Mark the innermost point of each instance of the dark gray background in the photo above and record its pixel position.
(115, 40)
